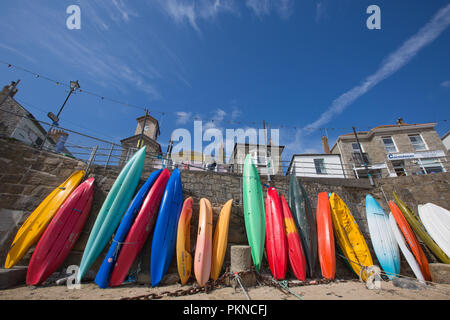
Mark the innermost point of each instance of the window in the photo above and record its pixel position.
(399, 168)
(320, 166)
(355, 147)
(389, 144)
(417, 142)
(430, 166)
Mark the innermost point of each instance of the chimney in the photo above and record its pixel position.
(400, 121)
(56, 133)
(326, 147)
(6, 90)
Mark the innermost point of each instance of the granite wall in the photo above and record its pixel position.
(27, 175)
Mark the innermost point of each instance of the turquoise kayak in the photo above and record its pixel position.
(254, 212)
(112, 210)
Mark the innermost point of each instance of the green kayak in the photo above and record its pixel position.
(415, 222)
(112, 210)
(254, 214)
(305, 220)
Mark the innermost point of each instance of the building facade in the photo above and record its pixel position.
(146, 134)
(446, 140)
(393, 150)
(316, 165)
(18, 123)
(266, 158)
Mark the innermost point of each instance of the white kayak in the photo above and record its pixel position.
(437, 223)
(404, 248)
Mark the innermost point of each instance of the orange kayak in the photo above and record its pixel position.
(411, 239)
(184, 258)
(325, 237)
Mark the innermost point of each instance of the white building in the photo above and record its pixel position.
(316, 165)
(446, 140)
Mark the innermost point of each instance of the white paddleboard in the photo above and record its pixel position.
(436, 221)
(404, 248)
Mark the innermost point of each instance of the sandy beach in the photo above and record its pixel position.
(348, 290)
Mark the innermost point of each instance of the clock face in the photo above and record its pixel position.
(146, 128)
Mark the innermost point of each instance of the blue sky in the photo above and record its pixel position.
(295, 64)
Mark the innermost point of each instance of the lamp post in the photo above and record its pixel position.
(74, 85)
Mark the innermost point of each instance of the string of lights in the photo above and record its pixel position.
(179, 115)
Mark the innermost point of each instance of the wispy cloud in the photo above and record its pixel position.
(183, 117)
(17, 52)
(320, 11)
(193, 11)
(446, 84)
(394, 62)
(262, 8)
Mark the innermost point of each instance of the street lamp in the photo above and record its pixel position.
(74, 85)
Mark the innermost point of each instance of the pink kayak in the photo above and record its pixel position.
(203, 250)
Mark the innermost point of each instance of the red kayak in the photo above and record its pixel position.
(325, 237)
(411, 239)
(276, 244)
(61, 234)
(140, 230)
(297, 258)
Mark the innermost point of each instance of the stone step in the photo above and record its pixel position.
(12, 277)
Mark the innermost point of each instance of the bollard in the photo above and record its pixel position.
(241, 261)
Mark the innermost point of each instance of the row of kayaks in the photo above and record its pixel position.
(292, 233)
(281, 230)
(131, 217)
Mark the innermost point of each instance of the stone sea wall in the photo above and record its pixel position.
(28, 175)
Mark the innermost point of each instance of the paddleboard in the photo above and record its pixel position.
(437, 222)
(383, 241)
(411, 239)
(404, 248)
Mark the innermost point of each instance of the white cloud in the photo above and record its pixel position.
(183, 117)
(193, 11)
(395, 61)
(446, 84)
(320, 11)
(262, 8)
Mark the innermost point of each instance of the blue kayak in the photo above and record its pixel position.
(104, 273)
(165, 234)
(383, 239)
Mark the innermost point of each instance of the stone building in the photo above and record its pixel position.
(446, 140)
(393, 150)
(262, 156)
(147, 132)
(17, 122)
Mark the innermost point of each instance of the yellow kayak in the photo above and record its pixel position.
(184, 258)
(349, 237)
(32, 229)
(220, 240)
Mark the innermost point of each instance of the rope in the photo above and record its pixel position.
(237, 277)
(284, 285)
